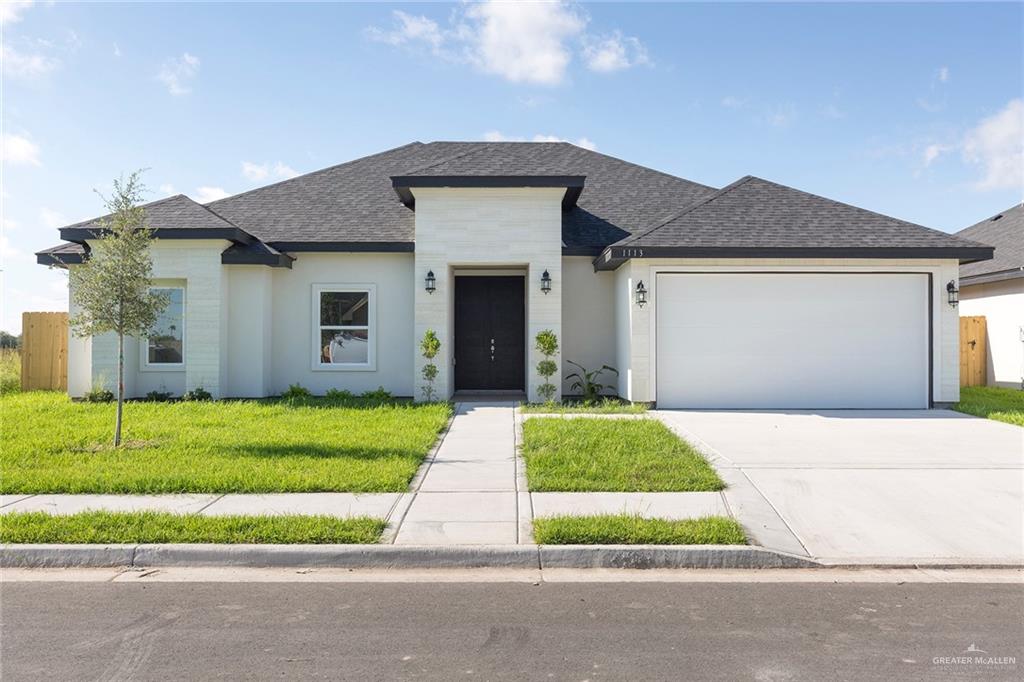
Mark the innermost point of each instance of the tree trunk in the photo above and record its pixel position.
(120, 389)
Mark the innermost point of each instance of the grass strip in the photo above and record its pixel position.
(103, 527)
(570, 406)
(992, 402)
(611, 455)
(629, 529)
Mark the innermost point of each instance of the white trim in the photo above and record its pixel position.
(144, 364)
(371, 327)
(652, 272)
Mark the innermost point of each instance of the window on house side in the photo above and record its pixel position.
(166, 345)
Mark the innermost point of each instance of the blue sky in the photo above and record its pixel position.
(911, 110)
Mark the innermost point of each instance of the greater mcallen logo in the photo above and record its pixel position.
(973, 655)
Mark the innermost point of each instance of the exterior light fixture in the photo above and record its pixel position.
(431, 283)
(952, 293)
(641, 294)
(545, 282)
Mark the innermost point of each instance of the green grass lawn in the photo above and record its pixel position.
(98, 527)
(639, 455)
(570, 406)
(1002, 404)
(627, 529)
(53, 445)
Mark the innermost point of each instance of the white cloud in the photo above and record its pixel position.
(614, 53)
(24, 65)
(780, 116)
(942, 74)
(117, 50)
(52, 219)
(733, 102)
(10, 10)
(17, 150)
(262, 171)
(205, 195)
(177, 73)
(498, 136)
(523, 42)
(997, 145)
(410, 29)
(933, 152)
(167, 189)
(833, 112)
(10, 253)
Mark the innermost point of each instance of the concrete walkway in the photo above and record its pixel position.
(466, 492)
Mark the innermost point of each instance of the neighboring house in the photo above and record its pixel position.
(754, 295)
(995, 289)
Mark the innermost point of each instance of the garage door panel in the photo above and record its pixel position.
(745, 340)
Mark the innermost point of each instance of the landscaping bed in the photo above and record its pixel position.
(613, 455)
(626, 529)
(101, 527)
(992, 402)
(570, 406)
(53, 445)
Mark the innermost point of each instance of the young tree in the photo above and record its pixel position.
(111, 288)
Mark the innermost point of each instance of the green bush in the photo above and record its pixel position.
(158, 396)
(339, 394)
(378, 394)
(547, 342)
(10, 371)
(98, 395)
(198, 394)
(297, 392)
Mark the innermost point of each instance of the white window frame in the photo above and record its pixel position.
(371, 327)
(144, 364)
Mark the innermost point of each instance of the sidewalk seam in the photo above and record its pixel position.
(210, 503)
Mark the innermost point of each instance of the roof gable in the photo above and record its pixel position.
(1004, 231)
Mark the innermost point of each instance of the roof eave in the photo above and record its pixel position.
(79, 235)
(573, 184)
(989, 277)
(614, 256)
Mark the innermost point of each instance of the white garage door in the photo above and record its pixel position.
(791, 340)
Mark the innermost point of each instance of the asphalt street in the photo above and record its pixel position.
(557, 631)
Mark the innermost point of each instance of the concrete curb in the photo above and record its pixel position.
(398, 556)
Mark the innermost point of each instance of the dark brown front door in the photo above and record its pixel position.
(490, 334)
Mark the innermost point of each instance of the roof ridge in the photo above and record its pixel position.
(695, 205)
(431, 164)
(315, 172)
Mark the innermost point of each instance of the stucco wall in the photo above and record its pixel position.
(1002, 304)
(516, 228)
(194, 264)
(588, 319)
(639, 386)
(250, 331)
(292, 340)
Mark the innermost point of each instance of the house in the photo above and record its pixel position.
(995, 289)
(754, 295)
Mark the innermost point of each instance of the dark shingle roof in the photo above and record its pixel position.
(355, 202)
(62, 254)
(1005, 231)
(176, 212)
(756, 214)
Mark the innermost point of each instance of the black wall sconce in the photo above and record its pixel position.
(431, 283)
(545, 282)
(641, 294)
(952, 293)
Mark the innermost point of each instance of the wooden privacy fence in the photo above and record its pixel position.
(973, 351)
(44, 351)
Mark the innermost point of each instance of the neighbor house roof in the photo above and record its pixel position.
(608, 202)
(1004, 231)
(757, 218)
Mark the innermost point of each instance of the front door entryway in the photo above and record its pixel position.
(490, 333)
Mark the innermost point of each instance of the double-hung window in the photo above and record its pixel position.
(344, 319)
(165, 346)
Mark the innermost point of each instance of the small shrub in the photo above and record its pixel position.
(430, 345)
(586, 381)
(339, 394)
(297, 392)
(197, 394)
(158, 396)
(10, 371)
(546, 343)
(98, 395)
(378, 394)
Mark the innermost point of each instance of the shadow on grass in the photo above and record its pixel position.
(321, 451)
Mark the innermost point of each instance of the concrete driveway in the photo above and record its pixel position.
(858, 486)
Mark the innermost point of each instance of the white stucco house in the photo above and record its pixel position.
(995, 289)
(754, 295)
